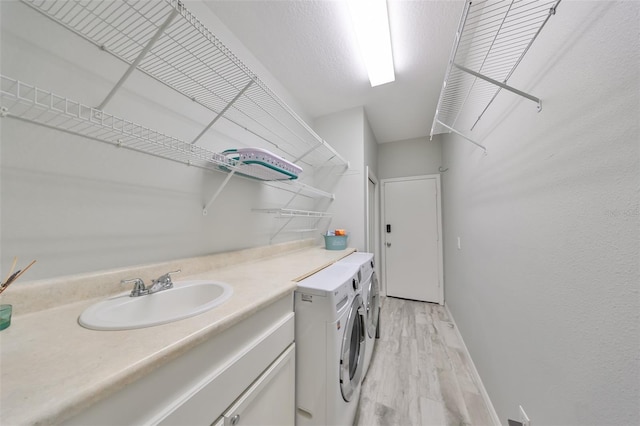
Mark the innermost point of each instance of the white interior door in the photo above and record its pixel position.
(412, 246)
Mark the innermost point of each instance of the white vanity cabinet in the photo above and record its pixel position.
(245, 375)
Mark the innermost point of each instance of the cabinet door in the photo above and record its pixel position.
(270, 400)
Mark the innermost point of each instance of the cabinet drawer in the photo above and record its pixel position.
(205, 402)
(270, 401)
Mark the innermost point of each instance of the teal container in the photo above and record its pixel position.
(335, 242)
(5, 316)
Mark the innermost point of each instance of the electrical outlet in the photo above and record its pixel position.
(524, 419)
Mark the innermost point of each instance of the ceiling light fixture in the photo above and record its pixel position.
(371, 23)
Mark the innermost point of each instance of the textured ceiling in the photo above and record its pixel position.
(310, 48)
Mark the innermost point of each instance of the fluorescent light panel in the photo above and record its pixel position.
(371, 23)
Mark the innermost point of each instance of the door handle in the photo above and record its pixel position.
(388, 244)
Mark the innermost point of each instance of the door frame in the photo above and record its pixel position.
(376, 218)
(383, 275)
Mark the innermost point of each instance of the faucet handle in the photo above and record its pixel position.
(167, 277)
(165, 280)
(138, 286)
(174, 272)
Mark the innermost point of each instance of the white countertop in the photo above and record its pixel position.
(51, 368)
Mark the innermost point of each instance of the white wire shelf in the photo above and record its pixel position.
(299, 188)
(491, 41)
(165, 41)
(287, 213)
(313, 218)
(28, 103)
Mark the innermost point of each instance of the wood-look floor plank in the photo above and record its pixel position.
(419, 372)
(477, 409)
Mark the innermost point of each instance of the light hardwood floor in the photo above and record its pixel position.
(419, 374)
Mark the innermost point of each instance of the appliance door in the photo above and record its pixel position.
(352, 352)
(373, 305)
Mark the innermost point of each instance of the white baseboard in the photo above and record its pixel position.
(476, 375)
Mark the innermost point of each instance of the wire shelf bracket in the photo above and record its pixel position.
(501, 85)
(221, 113)
(451, 129)
(138, 59)
(491, 41)
(205, 209)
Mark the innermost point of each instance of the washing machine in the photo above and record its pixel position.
(330, 346)
(370, 296)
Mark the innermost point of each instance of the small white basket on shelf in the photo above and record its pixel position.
(260, 164)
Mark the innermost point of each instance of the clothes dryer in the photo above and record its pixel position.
(330, 346)
(370, 296)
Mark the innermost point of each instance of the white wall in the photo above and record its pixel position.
(351, 135)
(77, 205)
(545, 287)
(411, 157)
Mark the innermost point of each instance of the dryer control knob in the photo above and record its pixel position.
(355, 284)
(235, 419)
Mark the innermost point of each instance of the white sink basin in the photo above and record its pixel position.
(185, 299)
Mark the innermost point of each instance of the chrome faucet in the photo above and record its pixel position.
(162, 283)
(138, 287)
